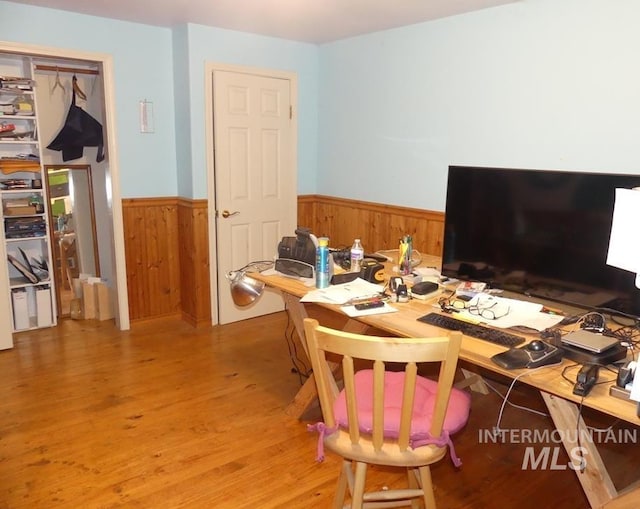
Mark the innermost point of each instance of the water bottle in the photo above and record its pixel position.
(322, 263)
(357, 255)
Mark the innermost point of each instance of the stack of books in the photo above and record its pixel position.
(16, 83)
(25, 227)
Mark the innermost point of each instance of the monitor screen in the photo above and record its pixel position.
(537, 232)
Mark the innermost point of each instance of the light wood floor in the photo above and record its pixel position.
(167, 416)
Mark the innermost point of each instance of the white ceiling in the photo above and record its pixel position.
(314, 21)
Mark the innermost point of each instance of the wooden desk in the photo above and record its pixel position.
(555, 390)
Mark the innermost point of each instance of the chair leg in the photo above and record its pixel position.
(412, 474)
(427, 487)
(344, 483)
(358, 486)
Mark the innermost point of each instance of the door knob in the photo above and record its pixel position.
(226, 213)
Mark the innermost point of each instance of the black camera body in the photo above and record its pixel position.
(301, 247)
(297, 255)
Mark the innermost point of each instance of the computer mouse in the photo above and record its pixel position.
(536, 346)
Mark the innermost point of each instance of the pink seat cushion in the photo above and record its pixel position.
(456, 417)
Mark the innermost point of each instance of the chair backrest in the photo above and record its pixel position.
(327, 346)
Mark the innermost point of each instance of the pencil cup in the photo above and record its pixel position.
(404, 255)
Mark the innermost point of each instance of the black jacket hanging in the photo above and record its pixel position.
(79, 130)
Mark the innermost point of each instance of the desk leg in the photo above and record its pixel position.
(308, 392)
(595, 479)
(473, 380)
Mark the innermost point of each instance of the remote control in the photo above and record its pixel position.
(369, 305)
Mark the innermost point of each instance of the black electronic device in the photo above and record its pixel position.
(297, 255)
(345, 277)
(496, 336)
(424, 289)
(402, 294)
(626, 374)
(586, 379)
(394, 283)
(294, 268)
(591, 341)
(373, 304)
(372, 271)
(582, 356)
(537, 232)
(535, 354)
(302, 247)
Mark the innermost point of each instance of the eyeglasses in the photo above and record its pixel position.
(448, 304)
(490, 311)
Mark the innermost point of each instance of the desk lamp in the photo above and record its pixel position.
(624, 243)
(245, 289)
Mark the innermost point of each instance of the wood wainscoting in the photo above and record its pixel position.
(167, 245)
(377, 226)
(167, 256)
(152, 246)
(195, 293)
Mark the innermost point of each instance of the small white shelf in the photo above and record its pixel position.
(23, 190)
(27, 239)
(20, 282)
(17, 117)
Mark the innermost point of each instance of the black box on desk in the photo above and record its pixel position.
(582, 356)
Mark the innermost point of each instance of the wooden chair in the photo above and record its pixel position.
(384, 417)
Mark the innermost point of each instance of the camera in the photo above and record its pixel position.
(302, 247)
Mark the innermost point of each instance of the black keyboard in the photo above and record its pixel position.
(471, 329)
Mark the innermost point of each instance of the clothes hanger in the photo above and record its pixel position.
(58, 83)
(76, 88)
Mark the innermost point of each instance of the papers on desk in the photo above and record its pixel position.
(521, 313)
(344, 293)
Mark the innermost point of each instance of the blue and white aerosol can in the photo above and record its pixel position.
(323, 275)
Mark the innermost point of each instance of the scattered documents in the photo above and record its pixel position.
(344, 293)
(517, 313)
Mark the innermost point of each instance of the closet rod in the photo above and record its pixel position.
(65, 69)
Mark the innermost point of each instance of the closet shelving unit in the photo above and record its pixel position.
(25, 230)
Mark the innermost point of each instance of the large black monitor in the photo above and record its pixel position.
(537, 232)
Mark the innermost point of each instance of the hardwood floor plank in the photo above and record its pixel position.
(166, 415)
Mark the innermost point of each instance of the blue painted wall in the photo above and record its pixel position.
(536, 84)
(143, 68)
(229, 47)
(167, 67)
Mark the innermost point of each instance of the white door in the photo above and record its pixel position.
(255, 178)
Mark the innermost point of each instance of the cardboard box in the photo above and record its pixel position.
(103, 296)
(88, 301)
(19, 211)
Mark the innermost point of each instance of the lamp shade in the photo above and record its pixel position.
(244, 289)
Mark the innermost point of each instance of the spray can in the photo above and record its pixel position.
(322, 263)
